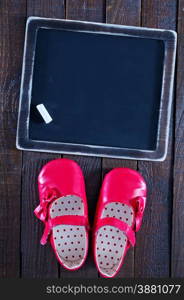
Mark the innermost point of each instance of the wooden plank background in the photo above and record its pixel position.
(159, 251)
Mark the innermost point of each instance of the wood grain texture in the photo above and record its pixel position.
(12, 18)
(85, 10)
(89, 11)
(177, 266)
(126, 13)
(37, 261)
(159, 14)
(153, 241)
(46, 8)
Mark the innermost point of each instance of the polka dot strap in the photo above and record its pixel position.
(63, 220)
(129, 232)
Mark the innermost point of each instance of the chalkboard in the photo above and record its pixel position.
(102, 89)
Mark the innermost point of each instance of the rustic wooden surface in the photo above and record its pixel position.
(159, 251)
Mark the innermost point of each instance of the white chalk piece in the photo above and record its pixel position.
(44, 113)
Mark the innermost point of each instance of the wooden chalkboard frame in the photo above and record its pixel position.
(23, 141)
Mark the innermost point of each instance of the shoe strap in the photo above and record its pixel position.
(138, 204)
(63, 220)
(129, 232)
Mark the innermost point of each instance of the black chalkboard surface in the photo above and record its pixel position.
(102, 89)
(99, 89)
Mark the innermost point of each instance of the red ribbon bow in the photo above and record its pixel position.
(139, 206)
(41, 210)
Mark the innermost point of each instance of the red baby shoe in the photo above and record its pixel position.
(63, 209)
(119, 214)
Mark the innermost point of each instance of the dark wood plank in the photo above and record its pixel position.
(177, 266)
(159, 14)
(37, 261)
(126, 13)
(12, 18)
(46, 8)
(86, 10)
(91, 166)
(153, 241)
